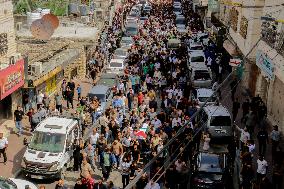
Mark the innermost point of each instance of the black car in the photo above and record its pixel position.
(209, 171)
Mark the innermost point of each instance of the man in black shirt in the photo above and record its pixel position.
(262, 137)
(135, 153)
(18, 116)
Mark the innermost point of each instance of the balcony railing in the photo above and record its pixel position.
(274, 39)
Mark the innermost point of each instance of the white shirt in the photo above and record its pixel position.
(3, 143)
(251, 147)
(40, 98)
(175, 122)
(157, 65)
(121, 86)
(157, 123)
(94, 138)
(261, 167)
(245, 136)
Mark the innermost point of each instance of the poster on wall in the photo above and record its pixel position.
(11, 78)
(265, 64)
(213, 6)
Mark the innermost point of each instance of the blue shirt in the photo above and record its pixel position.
(79, 89)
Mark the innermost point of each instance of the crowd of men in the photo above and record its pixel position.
(151, 103)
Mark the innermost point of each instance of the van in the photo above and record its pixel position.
(116, 66)
(217, 120)
(202, 95)
(200, 76)
(104, 94)
(50, 149)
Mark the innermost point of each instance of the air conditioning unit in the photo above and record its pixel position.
(35, 68)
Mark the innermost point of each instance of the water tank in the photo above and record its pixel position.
(45, 11)
(84, 10)
(73, 8)
(32, 16)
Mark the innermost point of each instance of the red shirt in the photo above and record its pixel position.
(89, 183)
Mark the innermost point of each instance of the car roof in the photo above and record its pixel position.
(126, 38)
(99, 89)
(214, 110)
(196, 53)
(132, 25)
(118, 60)
(56, 125)
(199, 66)
(203, 92)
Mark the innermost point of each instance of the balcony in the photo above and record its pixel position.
(273, 38)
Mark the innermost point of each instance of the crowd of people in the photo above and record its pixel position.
(151, 104)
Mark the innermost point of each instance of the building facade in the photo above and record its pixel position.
(255, 32)
(11, 64)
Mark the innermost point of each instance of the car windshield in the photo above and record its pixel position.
(143, 18)
(197, 59)
(221, 121)
(196, 48)
(115, 65)
(131, 29)
(203, 99)
(202, 75)
(177, 9)
(7, 184)
(209, 176)
(210, 163)
(47, 142)
(180, 21)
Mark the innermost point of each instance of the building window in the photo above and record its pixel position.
(234, 15)
(244, 27)
(3, 43)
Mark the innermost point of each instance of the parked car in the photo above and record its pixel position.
(116, 66)
(12, 183)
(202, 95)
(177, 9)
(120, 53)
(195, 46)
(51, 148)
(131, 30)
(209, 171)
(104, 94)
(126, 42)
(109, 79)
(217, 121)
(200, 76)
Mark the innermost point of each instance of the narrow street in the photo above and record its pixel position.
(149, 97)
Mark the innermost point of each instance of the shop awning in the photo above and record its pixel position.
(230, 47)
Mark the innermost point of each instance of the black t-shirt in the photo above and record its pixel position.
(18, 115)
(135, 154)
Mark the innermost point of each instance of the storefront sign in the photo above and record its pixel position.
(265, 64)
(213, 6)
(11, 78)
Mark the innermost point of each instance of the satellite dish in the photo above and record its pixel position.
(41, 29)
(52, 19)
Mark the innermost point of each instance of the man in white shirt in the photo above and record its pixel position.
(94, 138)
(152, 185)
(175, 122)
(261, 168)
(156, 122)
(3, 146)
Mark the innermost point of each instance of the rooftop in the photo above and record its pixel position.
(56, 125)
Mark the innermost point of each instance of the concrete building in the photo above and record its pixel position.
(260, 42)
(11, 64)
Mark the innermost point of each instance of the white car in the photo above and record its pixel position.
(202, 95)
(115, 66)
(180, 24)
(195, 47)
(13, 183)
(177, 9)
(196, 57)
(126, 42)
(120, 53)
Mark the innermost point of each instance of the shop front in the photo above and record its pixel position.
(11, 79)
(48, 84)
